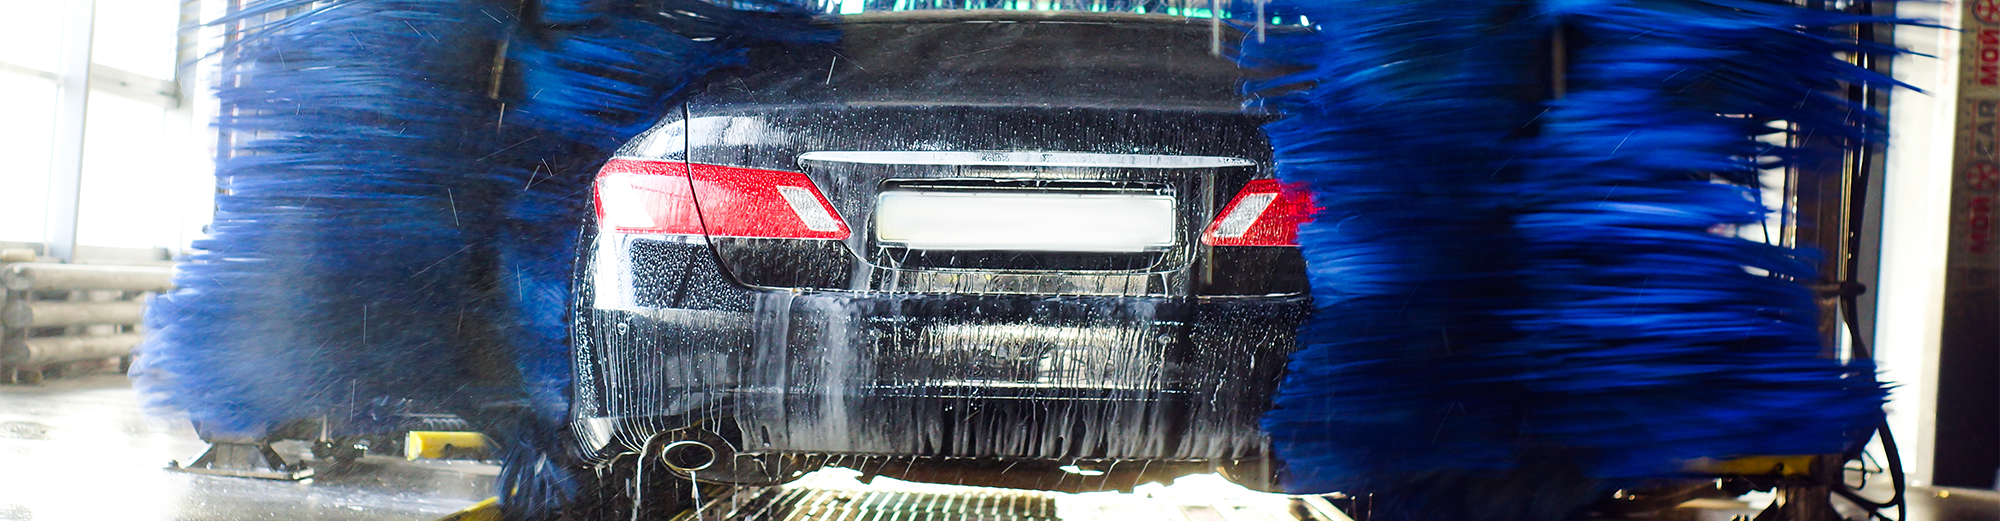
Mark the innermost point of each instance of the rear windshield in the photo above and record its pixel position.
(1114, 61)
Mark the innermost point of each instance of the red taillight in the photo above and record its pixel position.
(678, 198)
(646, 197)
(1264, 213)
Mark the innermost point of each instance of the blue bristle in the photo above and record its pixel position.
(1509, 281)
(386, 222)
(335, 269)
(561, 13)
(1662, 347)
(1402, 138)
(535, 483)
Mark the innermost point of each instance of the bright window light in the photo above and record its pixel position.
(27, 125)
(130, 167)
(136, 36)
(30, 33)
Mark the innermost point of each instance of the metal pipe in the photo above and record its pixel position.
(25, 314)
(35, 352)
(34, 276)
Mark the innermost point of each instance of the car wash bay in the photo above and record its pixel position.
(105, 166)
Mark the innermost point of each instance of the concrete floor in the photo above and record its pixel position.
(1952, 504)
(81, 448)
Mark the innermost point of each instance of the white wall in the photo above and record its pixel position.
(1915, 214)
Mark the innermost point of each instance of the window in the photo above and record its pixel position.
(133, 152)
(31, 33)
(27, 125)
(130, 162)
(136, 36)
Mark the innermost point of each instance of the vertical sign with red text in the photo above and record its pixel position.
(1977, 160)
(1967, 446)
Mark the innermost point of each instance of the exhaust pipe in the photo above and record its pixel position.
(687, 456)
(706, 456)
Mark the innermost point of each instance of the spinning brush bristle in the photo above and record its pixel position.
(1515, 283)
(396, 224)
(339, 250)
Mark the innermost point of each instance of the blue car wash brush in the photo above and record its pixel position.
(1527, 288)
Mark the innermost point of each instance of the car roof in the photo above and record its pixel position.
(996, 57)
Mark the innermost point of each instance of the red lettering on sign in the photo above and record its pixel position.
(1989, 57)
(1979, 223)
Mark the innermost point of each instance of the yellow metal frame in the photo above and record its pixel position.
(1799, 465)
(444, 445)
(488, 510)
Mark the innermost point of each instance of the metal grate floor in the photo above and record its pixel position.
(836, 496)
(798, 504)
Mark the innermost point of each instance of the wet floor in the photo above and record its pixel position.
(81, 448)
(1940, 504)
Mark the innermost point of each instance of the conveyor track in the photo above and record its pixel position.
(840, 498)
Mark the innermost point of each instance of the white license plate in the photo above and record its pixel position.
(1024, 221)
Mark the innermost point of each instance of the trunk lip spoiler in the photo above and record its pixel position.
(1024, 159)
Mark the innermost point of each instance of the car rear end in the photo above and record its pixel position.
(956, 241)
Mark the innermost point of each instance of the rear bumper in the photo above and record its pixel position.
(942, 375)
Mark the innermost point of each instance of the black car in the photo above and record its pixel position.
(1024, 249)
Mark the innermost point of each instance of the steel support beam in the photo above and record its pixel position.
(66, 178)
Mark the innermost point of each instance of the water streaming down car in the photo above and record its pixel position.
(1036, 250)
